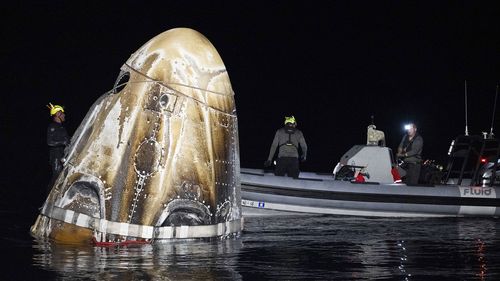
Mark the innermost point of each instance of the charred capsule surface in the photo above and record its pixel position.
(155, 158)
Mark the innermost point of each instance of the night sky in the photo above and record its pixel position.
(331, 64)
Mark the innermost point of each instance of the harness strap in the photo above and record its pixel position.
(289, 142)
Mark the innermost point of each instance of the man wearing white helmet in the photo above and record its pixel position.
(288, 139)
(57, 140)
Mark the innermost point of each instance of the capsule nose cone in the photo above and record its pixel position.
(186, 61)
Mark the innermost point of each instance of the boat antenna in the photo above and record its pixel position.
(493, 117)
(373, 117)
(466, 128)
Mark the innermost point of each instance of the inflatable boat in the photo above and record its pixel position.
(379, 192)
(265, 193)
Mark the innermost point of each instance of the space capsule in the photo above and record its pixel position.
(155, 158)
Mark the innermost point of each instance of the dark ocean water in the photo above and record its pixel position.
(313, 247)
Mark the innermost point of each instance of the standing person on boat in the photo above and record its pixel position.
(288, 139)
(410, 151)
(57, 140)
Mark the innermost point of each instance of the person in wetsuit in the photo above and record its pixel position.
(57, 140)
(410, 151)
(288, 139)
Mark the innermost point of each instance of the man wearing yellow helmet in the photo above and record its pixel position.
(288, 139)
(57, 139)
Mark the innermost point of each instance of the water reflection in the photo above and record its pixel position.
(480, 233)
(298, 248)
(481, 259)
(403, 257)
(193, 260)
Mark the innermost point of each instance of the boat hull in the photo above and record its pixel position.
(265, 193)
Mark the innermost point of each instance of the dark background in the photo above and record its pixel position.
(331, 64)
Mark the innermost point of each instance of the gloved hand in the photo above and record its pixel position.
(303, 159)
(267, 163)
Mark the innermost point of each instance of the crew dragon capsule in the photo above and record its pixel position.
(155, 158)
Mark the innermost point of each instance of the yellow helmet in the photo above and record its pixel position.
(54, 109)
(290, 119)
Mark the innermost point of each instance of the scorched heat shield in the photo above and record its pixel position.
(155, 158)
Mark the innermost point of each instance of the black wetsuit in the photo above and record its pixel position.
(57, 139)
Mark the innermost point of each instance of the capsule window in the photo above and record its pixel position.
(164, 100)
(167, 101)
